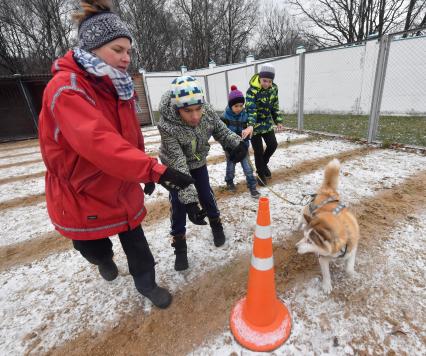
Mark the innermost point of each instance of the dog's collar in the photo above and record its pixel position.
(343, 251)
(336, 210)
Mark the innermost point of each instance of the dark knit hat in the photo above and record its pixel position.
(101, 28)
(235, 96)
(267, 71)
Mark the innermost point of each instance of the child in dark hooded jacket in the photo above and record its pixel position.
(263, 111)
(235, 118)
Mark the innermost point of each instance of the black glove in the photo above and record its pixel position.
(195, 214)
(149, 188)
(238, 153)
(175, 180)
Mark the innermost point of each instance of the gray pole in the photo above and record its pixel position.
(226, 83)
(379, 81)
(28, 100)
(206, 86)
(301, 91)
(148, 98)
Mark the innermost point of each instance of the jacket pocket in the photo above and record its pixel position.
(82, 174)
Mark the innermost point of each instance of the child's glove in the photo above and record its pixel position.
(238, 153)
(172, 179)
(195, 214)
(149, 188)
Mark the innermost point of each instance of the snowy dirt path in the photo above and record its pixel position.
(63, 287)
(202, 307)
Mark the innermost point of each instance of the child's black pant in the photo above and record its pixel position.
(205, 196)
(135, 246)
(261, 158)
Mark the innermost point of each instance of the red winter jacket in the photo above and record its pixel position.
(93, 149)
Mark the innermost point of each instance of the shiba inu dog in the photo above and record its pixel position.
(330, 230)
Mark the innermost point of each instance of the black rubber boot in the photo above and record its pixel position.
(254, 193)
(268, 173)
(231, 187)
(261, 180)
(179, 243)
(217, 230)
(146, 285)
(108, 270)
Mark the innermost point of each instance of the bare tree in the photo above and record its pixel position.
(414, 10)
(236, 27)
(154, 31)
(345, 21)
(278, 34)
(33, 33)
(198, 30)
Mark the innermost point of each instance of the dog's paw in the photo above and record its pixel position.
(326, 287)
(351, 273)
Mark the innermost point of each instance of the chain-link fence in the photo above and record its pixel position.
(403, 105)
(341, 90)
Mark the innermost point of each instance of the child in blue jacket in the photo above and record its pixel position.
(235, 118)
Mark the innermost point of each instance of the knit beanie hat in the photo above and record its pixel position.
(267, 71)
(100, 28)
(186, 91)
(235, 96)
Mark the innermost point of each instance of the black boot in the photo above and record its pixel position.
(268, 173)
(179, 243)
(108, 270)
(261, 180)
(231, 186)
(146, 285)
(217, 230)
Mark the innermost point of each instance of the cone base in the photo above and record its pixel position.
(260, 338)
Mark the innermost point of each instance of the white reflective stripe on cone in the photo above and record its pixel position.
(262, 264)
(263, 232)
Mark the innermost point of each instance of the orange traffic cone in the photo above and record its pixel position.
(261, 322)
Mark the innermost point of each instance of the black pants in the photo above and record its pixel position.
(261, 158)
(205, 196)
(135, 246)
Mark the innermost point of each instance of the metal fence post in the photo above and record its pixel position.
(148, 99)
(379, 81)
(301, 91)
(206, 86)
(28, 100)
(226, 83)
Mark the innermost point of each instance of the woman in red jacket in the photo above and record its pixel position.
(93, 150)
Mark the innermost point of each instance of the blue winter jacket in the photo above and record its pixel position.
(236, 123)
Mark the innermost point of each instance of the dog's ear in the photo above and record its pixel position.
(308, 219)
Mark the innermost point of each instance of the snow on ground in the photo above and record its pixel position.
(21, 170)
(8, 158)
(19, 155)
(23, 223)
(49, 301)
(22, 231)
(328, 326)
(21, 189)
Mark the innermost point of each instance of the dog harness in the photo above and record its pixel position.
(340, 206)
(312, 207)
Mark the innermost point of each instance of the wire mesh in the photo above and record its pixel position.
(338, 88)
(403, 105)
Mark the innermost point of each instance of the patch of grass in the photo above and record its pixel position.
(409, 130)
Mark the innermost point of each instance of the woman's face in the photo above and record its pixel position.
(191, 115)
(115, 53)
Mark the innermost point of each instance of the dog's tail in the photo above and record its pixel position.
(331, 175)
